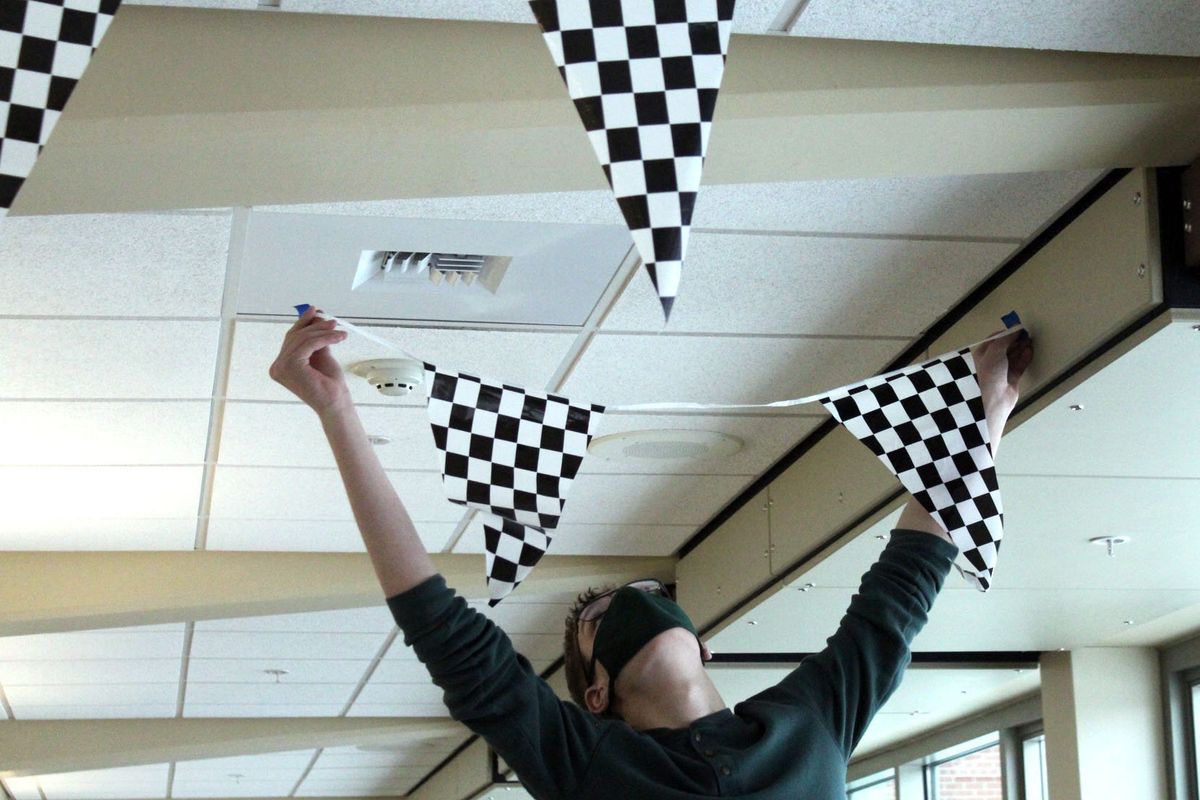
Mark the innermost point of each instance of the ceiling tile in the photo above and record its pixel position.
(626, 368)
(812, 285)
(399, 694)
(274, 762)
(62, 433)
(1009, 206)
(1171, 27)
(398, 709)
(76, 359)
(289, 434)
(764, 439)
(199, 710)
(334, 760)
(372, 619)
(123, 643)
(650, 499)
(250, 785)
(60, 532)
(531, 617)
(26, 493)
(95, 694)
(597, 540)
(132, 265)
(139, 711)
(107, 784)
(1133, 412)
(72, 672)
(365, 787)
(254, 670)
(527, 359)
(285, 693)
(286, 646)
(279, 494)
(291, 535)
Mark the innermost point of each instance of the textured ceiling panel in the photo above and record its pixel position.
(525, 359)
(139, 711)
(70, 672)
(272, 646)
(1121, 26)
(255, 670)
(102, 359)
(27, 493)
(299, 535)
(73, 702)
(650, 499)
(1009, 206)
(127, 265)
(64, 532)
(63, 433)
(372, 619)
(276, 434)
(121, 783)
(809, 285)
(152, 641)
(284, 693)
(600, 539)
(643, 369)
(267, 493)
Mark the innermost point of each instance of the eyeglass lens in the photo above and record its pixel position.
(596, 608)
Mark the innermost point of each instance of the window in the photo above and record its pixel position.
(1033, 768)
(970, 771)
(880, 786)
(1195, 697)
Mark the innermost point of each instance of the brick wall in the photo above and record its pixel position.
(973, 777)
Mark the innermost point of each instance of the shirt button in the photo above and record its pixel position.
(725, 770)
(696, 737)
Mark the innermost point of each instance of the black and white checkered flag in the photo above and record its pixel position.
(45, 45)
(513, 454)
(644, 75)
(926, 423)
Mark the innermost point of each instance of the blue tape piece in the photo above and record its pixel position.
(1011, 319)
(301, 309)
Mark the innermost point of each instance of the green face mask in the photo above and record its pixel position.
(634, 618)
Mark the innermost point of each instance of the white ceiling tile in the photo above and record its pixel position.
(524, 359)
(78, 673)
(127, 265)
(1170, 27)
(243, 5)
(105, 359)
(324, 536)
(285, 693)
(403, 694)
(88, 645)
(736, 283)
(138, 711)
(419, 752)
(380, 775)
(750, 16)
(398, 709)
(650, 499)
(288, 759)
(764, 439)
(23, 788)
(104, 433)
(254, 670)
(286, 646)
(531, 617)
(289, 434)
(372, 619)
(60, 532)
(1010, 206)
(107, 784)
(28, 493)
(344, 787)
(198, 710)
(281, 494)
(621, 368)
(596, 540)
(94, 694)
(250, 785)
(1129, 426)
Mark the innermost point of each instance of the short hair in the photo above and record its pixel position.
(577, 680)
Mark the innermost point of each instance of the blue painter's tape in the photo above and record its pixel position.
(1011, 319)
(301, 309)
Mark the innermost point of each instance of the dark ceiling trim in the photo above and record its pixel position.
(913, 352)
(1180, 283)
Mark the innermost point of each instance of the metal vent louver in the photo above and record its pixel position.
(396, 268)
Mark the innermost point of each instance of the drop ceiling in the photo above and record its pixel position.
(122, 329)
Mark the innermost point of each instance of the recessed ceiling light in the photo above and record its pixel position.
(664, 446)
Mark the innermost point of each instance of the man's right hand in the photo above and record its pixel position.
(306, 367)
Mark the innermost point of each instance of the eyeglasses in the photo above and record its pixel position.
(596, 609)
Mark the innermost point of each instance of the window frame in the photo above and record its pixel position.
(871, 781)
(930, 764)
(1180, 672)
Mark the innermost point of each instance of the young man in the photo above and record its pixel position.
(663, 730)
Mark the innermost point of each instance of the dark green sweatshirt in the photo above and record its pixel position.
(790, 741)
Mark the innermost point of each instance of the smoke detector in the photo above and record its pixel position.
(664, 446)
(394, 377)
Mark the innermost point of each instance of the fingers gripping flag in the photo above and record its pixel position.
(926, 423)
(512, 454)
(45, 45)
(644, 75)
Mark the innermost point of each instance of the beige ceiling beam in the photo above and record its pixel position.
(44, 592)
(52, 746)
(195, 107)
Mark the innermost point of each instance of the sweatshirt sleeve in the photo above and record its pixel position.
(863, 662)
(494, 691)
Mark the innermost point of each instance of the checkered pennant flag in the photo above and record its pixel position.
(926, 424)
(512, 550)
(511, 453)
(644, 75)
(45, 46)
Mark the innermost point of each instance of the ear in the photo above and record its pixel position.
(596, 697)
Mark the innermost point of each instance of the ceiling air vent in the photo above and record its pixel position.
(399, 269)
